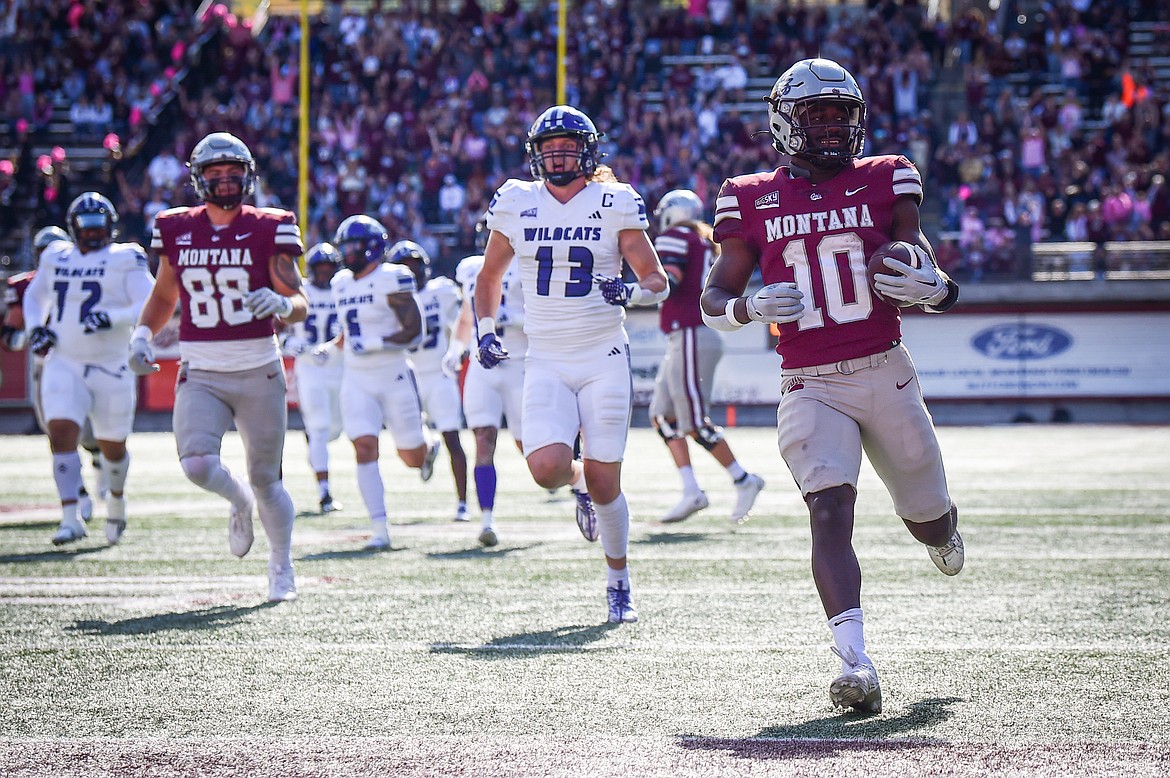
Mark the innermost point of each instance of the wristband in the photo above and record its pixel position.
(729, 312)
(143, 332)
(485, 325)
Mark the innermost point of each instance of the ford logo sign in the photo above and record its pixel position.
(1021, 341)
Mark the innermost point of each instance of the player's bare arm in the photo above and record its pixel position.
(406, 309)
(639, 252)
(160, 305)
(286, 279)
(489, 285)
(728, 279)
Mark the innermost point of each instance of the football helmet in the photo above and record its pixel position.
(322, 261)
(361, 240)
(556, 122)
(88, 213)
(414, 257)
(676, 206)
(812, 82)
(47, 235)
(217, 148)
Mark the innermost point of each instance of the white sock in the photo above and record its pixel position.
(690, 483)
(369, 480)
(735, 470)
(613, 519)
(322, 489)
(116, 472)
(848, 628)
(578, 483)
(486, 520)
(319, 451)
(277, 515)
(614, 578)
(67, 474)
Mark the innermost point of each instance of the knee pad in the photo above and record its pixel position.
(198, 469)
(709, 435)
(666, 430)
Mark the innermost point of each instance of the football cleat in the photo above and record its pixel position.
(461, 513)
(115, 519)
(240, 534)
(328, 505)
(282, 584)
(621, 606)
(857, 686)
(427, 469)
(380, 540)
(69, 532)
(586, 517)
(688, 505)
(948, 558)
(84, 505)
(488, 538)
(746, 491)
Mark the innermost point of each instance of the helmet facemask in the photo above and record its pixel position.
(216, 149)
(816, 112)
(544, 161)
(92, 222)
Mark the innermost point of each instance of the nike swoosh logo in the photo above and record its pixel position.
(851, 192)
(270, 376)
(904, 384)
(243, 235)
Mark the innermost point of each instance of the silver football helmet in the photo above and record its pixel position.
(809, 82)
(676, 206)
(216, 148)
(47, 235)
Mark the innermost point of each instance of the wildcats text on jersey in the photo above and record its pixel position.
(562, 233)
(361, 299)
(214, 257)
(79, 272)
(786, 226)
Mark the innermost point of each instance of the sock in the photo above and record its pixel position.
(736, 471)
(277, 514)
(322, 489)
(486, 521)
(690, 483)
(485, 487)
(115, 508)
(613, 519)
(616, 578)
(116, 472)
(848, 630)
(578, 483)
(373, 493)
(319, 451)
(67, 474)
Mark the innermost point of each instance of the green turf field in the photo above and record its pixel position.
(1048, 655)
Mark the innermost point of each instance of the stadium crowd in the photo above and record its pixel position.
(418, 116)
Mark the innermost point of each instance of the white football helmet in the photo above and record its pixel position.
(216, 148)
(805, 83)
(678, 205)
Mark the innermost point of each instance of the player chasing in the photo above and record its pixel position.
(380, 320)
(848, 384)
(568, 231)
(679, 406)
(439, 300)
(79, 310)
(490, 396)
(318, 375)
(231, 269)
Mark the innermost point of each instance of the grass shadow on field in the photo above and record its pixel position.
(32, 524)
(560, 640)
(54, 555)
(668, 537)
(830, 736)
(479, 552)
(204, 618)
(351, 553)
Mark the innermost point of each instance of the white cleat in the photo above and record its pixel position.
(282, 584)
(428, 466)
(461, 514)
(328, 505)
(84, 505)
(621, 605)
(857, 685)
(380, 540)
(69, 532)
(115, 519)
(948, 558)
(488, 538)
(746, 492)
(240, 532)
(689, 505)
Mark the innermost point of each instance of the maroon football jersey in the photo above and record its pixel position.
(215, 268)
(685, 249)
(16, 287)
(820, 237)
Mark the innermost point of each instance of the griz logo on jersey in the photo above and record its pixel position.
(79, 272)
(562, 233)
(361, 299)
(214, 257)
(802, 223)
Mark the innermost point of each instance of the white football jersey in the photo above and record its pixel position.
(114, 280)
(362, 310)
(510, 316)
(560, 246)
(439, 302)
(320, 325)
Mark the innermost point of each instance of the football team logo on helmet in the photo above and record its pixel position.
(362, 241)
(562, 121)
(677, 206)
(322, 260)
(216, 149)
(414, 257)
(92, 221)
(812, 82)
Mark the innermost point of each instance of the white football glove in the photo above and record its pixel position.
(776, 303)
(367, 344)
(913, 286)
(453, 359)
(321, 354)
(294, 345)
(264, 302)
(141, 357)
